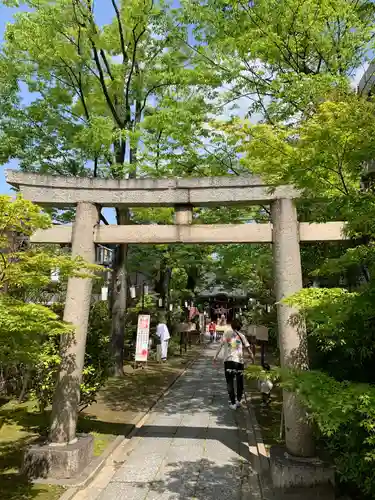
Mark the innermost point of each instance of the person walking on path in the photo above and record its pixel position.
(212, 331)
(163, 333)
(234, 343)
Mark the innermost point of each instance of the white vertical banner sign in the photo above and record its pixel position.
(143, 335)
(105, 293)
(261, 333)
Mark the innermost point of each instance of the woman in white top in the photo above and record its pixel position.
(163, 333)
(233, 342)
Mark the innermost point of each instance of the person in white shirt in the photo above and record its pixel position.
(163, 333)
(234, 342)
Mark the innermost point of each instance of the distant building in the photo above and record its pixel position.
(366, 84)
(366, 87)
(218, 300)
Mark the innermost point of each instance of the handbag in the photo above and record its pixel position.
(242, 342)
(157, 340)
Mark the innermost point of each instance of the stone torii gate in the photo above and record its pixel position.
(285, 233)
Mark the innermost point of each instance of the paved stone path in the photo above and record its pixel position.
(192, 446)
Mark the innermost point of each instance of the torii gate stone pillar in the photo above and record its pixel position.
(292, 336)
(65, 456)
(294, 466)
(77, 309)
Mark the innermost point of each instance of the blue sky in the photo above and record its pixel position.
(5, 17)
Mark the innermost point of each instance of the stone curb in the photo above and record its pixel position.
(68, 494)
(97, 464)
(262, 457)
(262, 452)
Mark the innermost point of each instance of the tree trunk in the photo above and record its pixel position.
(168, 277)
(3, 382)
(120, 272)
(25, 383)
(119, 301)
(162, 282)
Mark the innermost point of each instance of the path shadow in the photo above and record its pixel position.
(88, 423)
(189, 395)
(231, 438)
(202, 480)
(202, 389)
(38, 423)
(14, 486)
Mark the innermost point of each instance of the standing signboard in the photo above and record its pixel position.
(143, 335)
(261, 333)
(262, 337)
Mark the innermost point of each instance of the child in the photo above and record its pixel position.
(265, 386)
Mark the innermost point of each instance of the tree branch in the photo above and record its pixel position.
(149, 92)
(96, 166)
(105, 60)
(104, 86)
(134, 55)
(158, 139)
(88, 15)
(80, 82)
(103, 219)
(121, 31)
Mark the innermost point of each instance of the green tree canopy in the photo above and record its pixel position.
(24, 273)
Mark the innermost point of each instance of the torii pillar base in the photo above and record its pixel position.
(294, 477)
(53, 461)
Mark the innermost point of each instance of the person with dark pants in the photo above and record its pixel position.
(234, 373)
(234, 344)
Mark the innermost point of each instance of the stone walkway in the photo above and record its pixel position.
(191, 447)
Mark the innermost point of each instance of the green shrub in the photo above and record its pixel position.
(340, 394)
(344, 413)
(174, 346)
(344, 417)
(97, 360)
